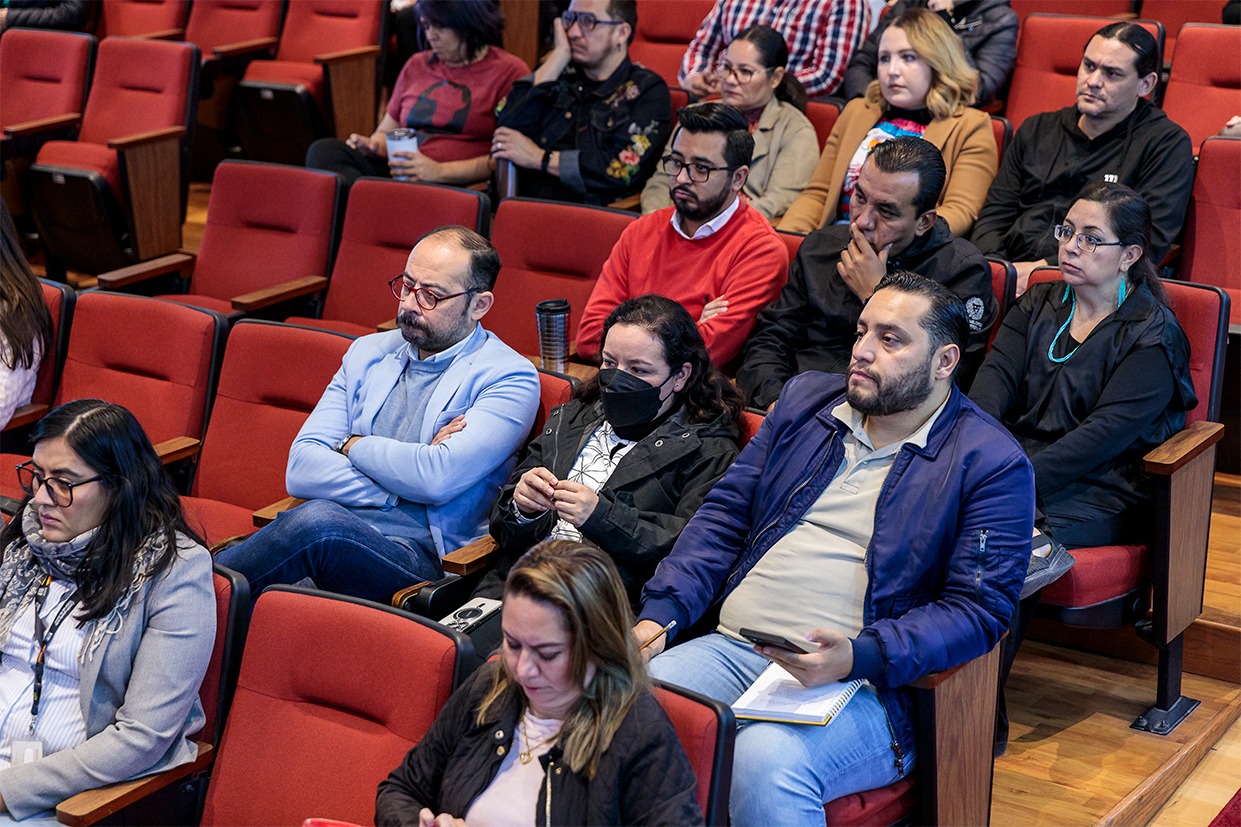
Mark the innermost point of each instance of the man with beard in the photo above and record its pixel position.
(411, 441)
(882, 518)
(710, 251)
(894, 226)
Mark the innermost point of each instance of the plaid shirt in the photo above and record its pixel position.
(821, 35)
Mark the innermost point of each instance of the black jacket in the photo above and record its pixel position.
(643, 777)
(47, 14)
(812, 325)
(1050, 160)
(610, 135)
(988, 30)
(654, 490)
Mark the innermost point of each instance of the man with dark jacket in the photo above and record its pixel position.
(812, 325)
(1110, 134)
(880, 518)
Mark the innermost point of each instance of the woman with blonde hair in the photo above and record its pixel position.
(924, 89)
(562, 728)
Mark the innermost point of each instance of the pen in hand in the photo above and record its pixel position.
(657, 635)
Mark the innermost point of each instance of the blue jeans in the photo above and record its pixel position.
(783, 773)
(338, 550)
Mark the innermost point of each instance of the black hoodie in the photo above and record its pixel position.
(1050, 160)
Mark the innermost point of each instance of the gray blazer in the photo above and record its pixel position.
(139, 692)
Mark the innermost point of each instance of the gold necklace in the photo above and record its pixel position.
(527, 755)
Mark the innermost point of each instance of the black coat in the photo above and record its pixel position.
(47, 14)
(813, 324)
(654, 490)
(644, 777)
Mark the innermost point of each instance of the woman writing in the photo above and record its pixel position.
(626, 463)
(562, 729)
(446, 94)
(924, 88)
(27, 331)
(107, 614)
(753, 78)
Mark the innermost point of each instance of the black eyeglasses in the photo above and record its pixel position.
(698, 173)
(425, 298)
(1086, 243)
(61, 489)
(586, 20)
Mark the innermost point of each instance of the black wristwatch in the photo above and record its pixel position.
(547, 159)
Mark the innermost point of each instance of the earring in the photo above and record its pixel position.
(1124, 287)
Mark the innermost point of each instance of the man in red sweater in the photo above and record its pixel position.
(710, 251)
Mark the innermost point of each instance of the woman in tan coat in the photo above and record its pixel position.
(924, 88)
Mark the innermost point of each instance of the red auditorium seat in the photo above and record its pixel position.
(550, 251)
(1049, 52)
(707, 730)
(792, 241)
(822, 115)
(260, 405)
(374, 247)
(1002, 130)
(1004, 287)
(1212, 252)
(1204, 91)
(159, 19)
(60, 299)
(1114, 586)
(324, 80)
(1174, 14)
(269, 238)
(665, 28)
(1098, 8)
(45, 75)
(116, 195)
(333, 692)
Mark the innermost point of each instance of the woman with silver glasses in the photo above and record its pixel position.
(107, 615)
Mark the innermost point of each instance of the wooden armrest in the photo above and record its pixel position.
(27, 414)
(165, 34)
(384, 327)
(90, 806)
(177, 449)
(347, 54)
(633, 203)
(144, 138)
(171, 263)
(259, 44)
(471, 557)
(407, 593)
(268, 513)
(26, 128)
(255, 299)
(1182, 447)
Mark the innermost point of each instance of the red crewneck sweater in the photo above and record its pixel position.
(744, 262)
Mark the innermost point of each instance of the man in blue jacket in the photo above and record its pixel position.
(410, 443)
(880, 516)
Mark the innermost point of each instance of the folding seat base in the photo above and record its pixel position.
(278, 122)
(80, 223)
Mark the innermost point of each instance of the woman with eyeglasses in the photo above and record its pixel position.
(562, 728)
(446, 94)
(925, 88)
(753, 77)
(27, 331)
(107, 614)
(589, 125)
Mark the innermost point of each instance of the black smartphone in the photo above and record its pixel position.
(797, 647)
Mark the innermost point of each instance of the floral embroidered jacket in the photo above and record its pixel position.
(610, 135)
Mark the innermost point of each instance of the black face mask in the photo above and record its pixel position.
(628, 402)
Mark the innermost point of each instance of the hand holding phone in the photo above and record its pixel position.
(796, 647)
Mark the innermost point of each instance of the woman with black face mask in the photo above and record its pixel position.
(629, 459)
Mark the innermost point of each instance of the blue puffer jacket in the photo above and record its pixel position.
(950, 546)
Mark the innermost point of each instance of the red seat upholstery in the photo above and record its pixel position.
(374, 248)
(664, 30)
(887, 805)
(550, 251)
(822, 115)
(1212, 251)
(1100, 574)
(750, 423)
(333, 692)
(44, 74)
(1174, 14)
(260, 405)
(1049, 52)
(96, 158)
(1204, 91)
(1002, 130)
(1004, 287)
(309, 75)
(142, 18)
(232, 613)
(707, 730)
(216, 23)
(1098, 8)
(792, 241)
(61, 300)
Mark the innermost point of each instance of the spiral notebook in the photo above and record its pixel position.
(778, 696)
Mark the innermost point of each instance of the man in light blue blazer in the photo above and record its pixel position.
(406, 451)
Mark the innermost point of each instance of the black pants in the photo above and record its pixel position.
(334, 155)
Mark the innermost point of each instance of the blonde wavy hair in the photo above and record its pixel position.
(954, 83)
(582, 584)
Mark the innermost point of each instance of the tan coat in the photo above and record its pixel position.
(965, 139)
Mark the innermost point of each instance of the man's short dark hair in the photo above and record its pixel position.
(626, 10)
(484, 260)
(909, 154)
(945, 322)
(1145, 47)
(713, 116)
